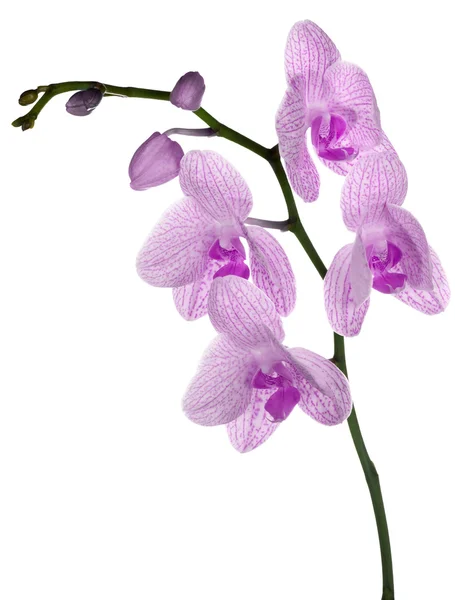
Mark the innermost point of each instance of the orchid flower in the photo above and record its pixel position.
(332, 98)
(390, 253)
(249, 380)
(199, 239)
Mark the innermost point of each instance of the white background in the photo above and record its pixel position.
(107, 490)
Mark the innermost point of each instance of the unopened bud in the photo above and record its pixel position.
(28, 97)
(28, 124)
(83, 103)
(155, 162)
(188, 91)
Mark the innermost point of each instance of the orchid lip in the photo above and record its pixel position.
(233, 255)
(389, 283)
(327, 130)
(265, 379)
(280, 404)
(232, 250)
(382, 257)
(239, 269)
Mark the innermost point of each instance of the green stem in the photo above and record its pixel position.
(294, 224)
(372, 479)
(230, 134)
(54, 89)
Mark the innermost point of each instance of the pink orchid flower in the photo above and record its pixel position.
(390, 253)
(199, 239)
(332, 98)
(249, 380)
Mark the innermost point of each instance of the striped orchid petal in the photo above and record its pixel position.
(345, 316)
(309, 52)
(325, 397)
(254, 426)
(216, 185)
(242, 311)
(291, 126)
(375, 180)
(429, 302)
(176, 251)
(221, 389)
(271, 270)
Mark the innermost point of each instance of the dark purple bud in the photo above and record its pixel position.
(82, 103)
(28, 97)
(188, 91)
(156, 161)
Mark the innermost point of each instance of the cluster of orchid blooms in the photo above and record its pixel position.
(248, 379)
(221, 263)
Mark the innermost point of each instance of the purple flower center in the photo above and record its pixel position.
(233, 256)
(380, 260)
(326, 131)
(281, 403)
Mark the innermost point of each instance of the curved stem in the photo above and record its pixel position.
(54, 89)
(372, 479)
(232, 135)
(294, 224)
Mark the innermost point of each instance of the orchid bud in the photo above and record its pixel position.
(28, 123)
(28, 97)
(82, 103)
(188, 91)
(155, 162)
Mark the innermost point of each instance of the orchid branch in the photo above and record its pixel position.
(54, 89)
(293, 223)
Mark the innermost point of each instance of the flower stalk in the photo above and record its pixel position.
(372, 479)
(294, 224)
(266, 224)
(202, 132)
